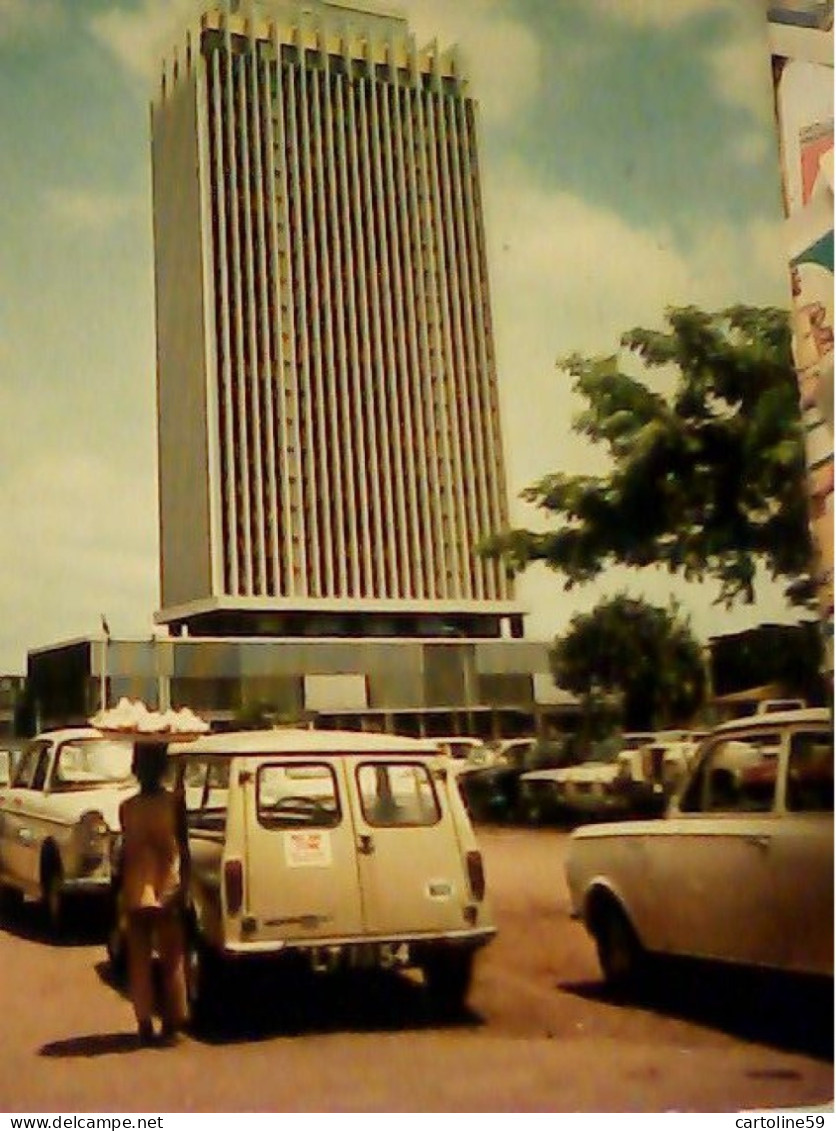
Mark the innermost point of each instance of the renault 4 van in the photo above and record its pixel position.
(342, 848)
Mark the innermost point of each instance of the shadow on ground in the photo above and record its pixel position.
(793, 1014)
(90, 1045)
(85, 923)
(264, 1002)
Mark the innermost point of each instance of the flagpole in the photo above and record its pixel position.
(103, 665)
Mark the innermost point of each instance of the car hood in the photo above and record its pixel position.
(68, 807)
(618, 830)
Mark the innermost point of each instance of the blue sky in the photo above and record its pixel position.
(629, 162)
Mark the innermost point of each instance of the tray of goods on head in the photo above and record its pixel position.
(131, 719)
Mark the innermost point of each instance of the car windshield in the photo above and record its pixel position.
(85, 763)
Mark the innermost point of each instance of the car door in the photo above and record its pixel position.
(19, 846)
(301, 873)
(802, 852)
(712, 861)
(410, 862)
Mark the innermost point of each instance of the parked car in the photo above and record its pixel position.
(492, 791)
(59, 814)
(10, 755)
(462, 748)
(650, 774)
(740, 868)
(335, 848)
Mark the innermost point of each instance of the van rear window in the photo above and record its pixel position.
(297, 795)
(397, 794)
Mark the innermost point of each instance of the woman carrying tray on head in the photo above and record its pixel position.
(154, 859)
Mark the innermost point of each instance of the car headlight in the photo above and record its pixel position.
(93, 839)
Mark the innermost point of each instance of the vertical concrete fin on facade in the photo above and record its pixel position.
(470, 298)
(292, 528)
(223, 308)
(266, 293)
(234, 144)
(182, 361)
(307, 454)
(333, 393)
(254, 426)
(420, 468)
(392, 401)
(459, 392)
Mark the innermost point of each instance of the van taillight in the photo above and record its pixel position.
(233, 886)
(476, 874)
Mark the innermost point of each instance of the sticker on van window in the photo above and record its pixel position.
(307, 849)
(439, 889)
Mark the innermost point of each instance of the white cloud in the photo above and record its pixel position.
(654, 13)
(741, 73)
(500, 55)
(568, 276)
(89, 210)
(27, 17)
(139, 39)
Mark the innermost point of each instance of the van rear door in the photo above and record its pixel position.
(411, 869)
(302, 880)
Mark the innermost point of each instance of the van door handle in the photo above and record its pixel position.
(365, 844)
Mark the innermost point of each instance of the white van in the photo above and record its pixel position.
(342, 847)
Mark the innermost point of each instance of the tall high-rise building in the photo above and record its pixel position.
(329, 436)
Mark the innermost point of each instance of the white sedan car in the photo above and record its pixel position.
(740, 869)
(59, 815)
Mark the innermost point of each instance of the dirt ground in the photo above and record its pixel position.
(540, 1034)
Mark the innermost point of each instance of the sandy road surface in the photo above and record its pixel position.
(541, 1034)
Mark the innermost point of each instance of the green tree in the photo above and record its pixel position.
(626, 650)
(708, 481)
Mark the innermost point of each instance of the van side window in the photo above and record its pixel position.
(297, 795)
(397, 793)
(206, 789)
(810, 773)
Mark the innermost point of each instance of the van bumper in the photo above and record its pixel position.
(466, 939)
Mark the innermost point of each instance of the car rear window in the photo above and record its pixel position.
(810, 773)
(397, 794)
(292, 795)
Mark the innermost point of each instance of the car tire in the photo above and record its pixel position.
(447, 977)
(622, 958)
(11, 899)
(53, 896)
(202, 980)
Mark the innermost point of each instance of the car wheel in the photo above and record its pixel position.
(447, 976)
(53, 896)
(11, 899)
(620, 954)
(202, 979)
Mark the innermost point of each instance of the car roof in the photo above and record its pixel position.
(818, 716)
(291, 740)
(63, 734)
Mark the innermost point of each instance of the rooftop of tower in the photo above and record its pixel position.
(377, 34)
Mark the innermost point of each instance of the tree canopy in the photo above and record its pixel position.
(644, 655)
(707, 481)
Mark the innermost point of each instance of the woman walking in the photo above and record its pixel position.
(154, 859)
